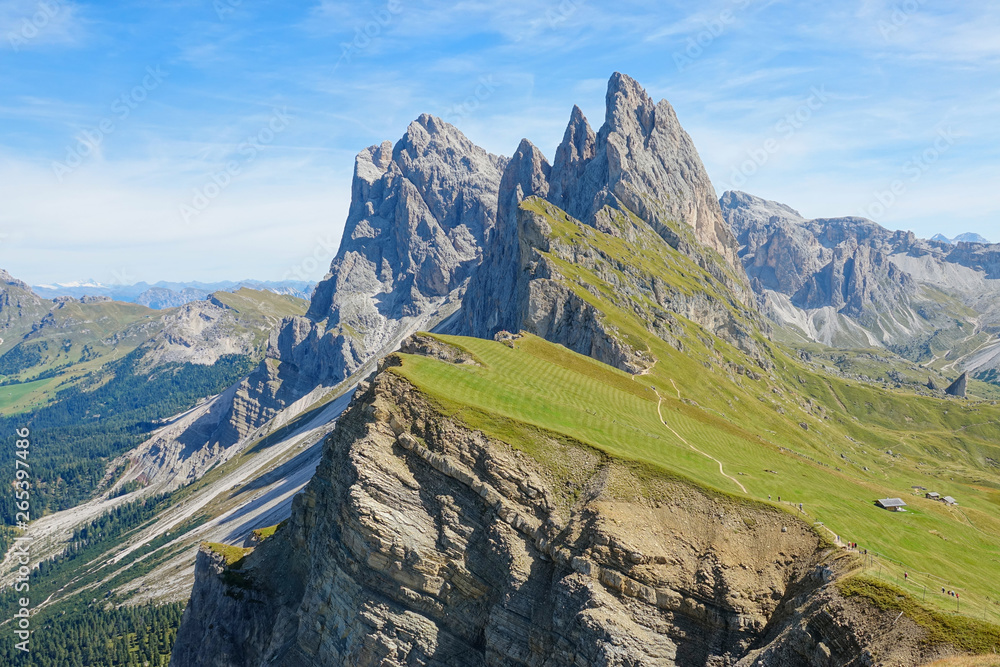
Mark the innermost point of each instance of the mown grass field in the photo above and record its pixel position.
(793, 431)
(539, 384)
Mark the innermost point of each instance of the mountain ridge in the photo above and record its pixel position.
(459, 450)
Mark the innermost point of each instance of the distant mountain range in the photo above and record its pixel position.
(574, 466)
(164, 294)
(968, 237)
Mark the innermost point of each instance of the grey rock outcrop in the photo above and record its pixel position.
(959, 387)
(848, 282)
(19, 305)
(421, 211)
(640, 163)
(497, 290)
(422, 542)
(641, 159)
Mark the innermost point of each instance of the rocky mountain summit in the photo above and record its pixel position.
(639, 172)
(968, 237)
(640, 159)
(848, 282)
(19, 305)
(421, 211)
(434, 215)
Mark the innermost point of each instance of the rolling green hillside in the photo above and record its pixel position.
(711, 413)
(73, 338)
(93, 379)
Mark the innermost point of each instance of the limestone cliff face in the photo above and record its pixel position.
(19, 305)
(420, 213)
(498, 288)
(849, 282)
(640, 166)
(642, 159)
(520, 285)
(420, 542)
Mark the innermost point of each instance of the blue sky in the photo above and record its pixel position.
(215, 139)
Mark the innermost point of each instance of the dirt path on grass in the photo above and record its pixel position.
(659, 413)
(681, 438)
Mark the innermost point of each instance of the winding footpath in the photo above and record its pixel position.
(681, 438)
(677, 435)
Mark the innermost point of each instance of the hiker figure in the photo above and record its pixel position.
(779, 499)
(906, 576)
(769, 496)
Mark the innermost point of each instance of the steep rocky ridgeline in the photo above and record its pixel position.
(638, 179)
(20, 307)
(422, 542)
(640, 159)
(514, 502)
(578, 285)
(848, 282)
(420, 213)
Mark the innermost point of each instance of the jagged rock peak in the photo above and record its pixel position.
(7, 279)
(527, 173)
(642, 159)
(429, 134)
(960, 386)
(420, 213)
(495, 293)
(627, 104)
(528, 168)
(743, 210)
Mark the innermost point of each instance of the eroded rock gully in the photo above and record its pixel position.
(421, 542)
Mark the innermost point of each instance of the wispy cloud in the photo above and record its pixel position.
(27, 25)
(354, 74)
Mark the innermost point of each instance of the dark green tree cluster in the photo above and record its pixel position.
(98, 637)
(103, 531)
(74, 437)
(22, 357)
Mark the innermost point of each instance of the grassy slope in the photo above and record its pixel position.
(755, 426)
(83, 338)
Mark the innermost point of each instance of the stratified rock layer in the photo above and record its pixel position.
(420, 542)
(848, 282)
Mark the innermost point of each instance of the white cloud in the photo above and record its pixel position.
(31, 24)
(101, 221)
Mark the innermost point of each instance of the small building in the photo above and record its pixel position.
(891, 504)
(933, 495)
(948, 500)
